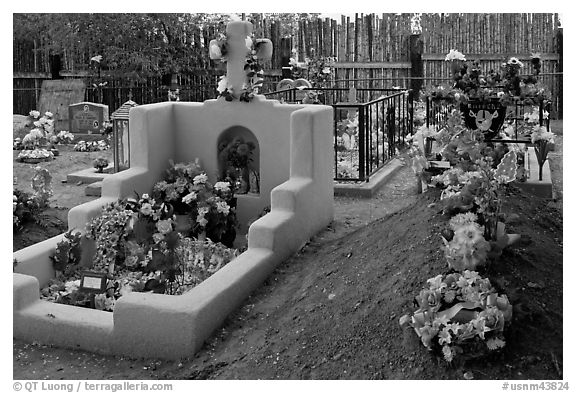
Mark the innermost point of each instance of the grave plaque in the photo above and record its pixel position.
(94, 282)
(87, 117)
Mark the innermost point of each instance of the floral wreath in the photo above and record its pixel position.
(458, 311)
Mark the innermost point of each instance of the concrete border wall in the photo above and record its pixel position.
(153, 325)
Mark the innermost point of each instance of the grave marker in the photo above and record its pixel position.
(87, 117)
(56, 96)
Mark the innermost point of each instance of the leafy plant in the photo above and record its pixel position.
(25, 209)
(68, 253)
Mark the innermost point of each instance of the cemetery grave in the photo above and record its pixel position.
(451, 271)
(295, 182)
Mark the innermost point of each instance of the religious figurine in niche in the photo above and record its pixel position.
(254, 182)
(234, 158)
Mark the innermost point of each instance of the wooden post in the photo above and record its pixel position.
(559, 46)
(417, 66)
(285, 52)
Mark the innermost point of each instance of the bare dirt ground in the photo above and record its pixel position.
(331, 311)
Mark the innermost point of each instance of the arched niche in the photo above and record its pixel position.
(239, 159)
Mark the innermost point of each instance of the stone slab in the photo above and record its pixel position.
(89, 175)
(57, 95)
(93, 189)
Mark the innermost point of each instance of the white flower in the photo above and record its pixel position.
(222, 84)
(145, 196)
(222, 207)
(35, 114)
(203, 210)
(164, 226)
(326, 70)
(540, 133)
(202, 221)
(97, 58)
(72, 286)
(215, 51)
(103, 302)
(222, 186)
(157, 237)
(28, 139)
(48, 114)
(454, 55)
(189, 198)
(146, 209)
(200, 179)
(515, 61)
(36, 133)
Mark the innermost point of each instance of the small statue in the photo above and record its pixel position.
(254, 183)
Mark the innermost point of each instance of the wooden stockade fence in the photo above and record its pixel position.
(371, 51)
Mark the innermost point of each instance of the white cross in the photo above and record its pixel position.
(237, 50)
(236, 33)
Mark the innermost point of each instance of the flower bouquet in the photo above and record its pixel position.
(542, 140)
(35, 156)
(460, 315)
(100, 163)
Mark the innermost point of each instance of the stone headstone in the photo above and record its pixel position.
(87, 117)
(21, 126)
(303, 84)
(285, 84)
(57, 95)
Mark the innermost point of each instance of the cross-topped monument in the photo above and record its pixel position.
(238, 48)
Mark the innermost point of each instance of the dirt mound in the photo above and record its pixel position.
(331, 312)
(51, 222)
(337, 310)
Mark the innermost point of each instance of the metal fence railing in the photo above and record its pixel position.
(367, 133)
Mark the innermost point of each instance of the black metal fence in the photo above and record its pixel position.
(370, 125)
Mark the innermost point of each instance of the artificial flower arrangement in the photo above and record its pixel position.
(100, 163)
(477, 176)
(25, 206)
(347, 133)
(209, 207)
(317, 70)
(89, 146)
(134, 243)
(42, 131)
(471, 82)
(460, 315)
(543, 141)
(35, 156)
(256, 49)
(63, 137)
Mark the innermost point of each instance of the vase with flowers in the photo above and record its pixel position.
(235, 157)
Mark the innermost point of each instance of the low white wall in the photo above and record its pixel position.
(152, 325)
